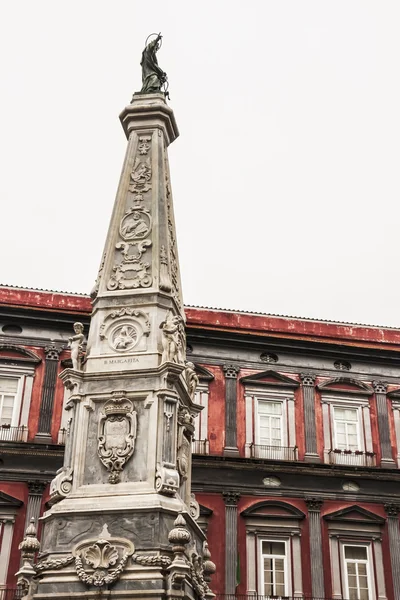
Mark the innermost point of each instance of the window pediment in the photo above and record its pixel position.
(346, 385)
(270, 378)
(273, 509)
(205, 511)
(355, 514)
(203, 373)
(9, 502)
(10, 352)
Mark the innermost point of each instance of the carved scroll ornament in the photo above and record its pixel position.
(117, 436)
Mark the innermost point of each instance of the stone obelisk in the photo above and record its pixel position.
(122, 521)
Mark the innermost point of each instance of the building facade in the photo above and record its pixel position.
(296, 453)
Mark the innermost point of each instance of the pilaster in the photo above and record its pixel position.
(392, 511)
(380, 389)
(231, 374)
(314, 506)
(231, 516)
(308, 387)
(35, 497)
(52, 353)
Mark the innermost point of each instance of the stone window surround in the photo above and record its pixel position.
(370, 575)
(344, 534)
(7, 520)
(253, 394)
(286, 530)
(201, 421)
(343, 400)
(25, 374)
(394, 397)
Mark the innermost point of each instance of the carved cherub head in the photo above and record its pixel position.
(78, 327)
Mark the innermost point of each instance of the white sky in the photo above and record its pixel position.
(286, 173)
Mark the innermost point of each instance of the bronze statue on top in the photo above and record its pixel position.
(153, 78)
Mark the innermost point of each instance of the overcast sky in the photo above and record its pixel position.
(285, 175)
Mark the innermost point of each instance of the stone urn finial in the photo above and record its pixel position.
(29, 546)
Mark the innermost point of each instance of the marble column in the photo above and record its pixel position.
(392, 511)
(380, 389)
(49, 384)
(308, 386)
(317, 567)
(231, 374)
(231, 500)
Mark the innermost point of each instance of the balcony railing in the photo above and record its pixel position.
(201, 447)
(13, 434)
(11, 593)
(352, 457)
(273, 452)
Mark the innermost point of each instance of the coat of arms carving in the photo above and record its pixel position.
(117, 435)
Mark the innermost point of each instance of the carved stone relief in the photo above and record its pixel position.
(101, 562)
(167, 480)
(126, 329)
(173, 251)
(61, 485)
(165, 280)
(132, 268)
(117, 435)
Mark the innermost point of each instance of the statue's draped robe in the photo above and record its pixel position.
(152, 75)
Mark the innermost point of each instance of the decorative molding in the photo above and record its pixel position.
(314, 504)
(167, 480)
(359, 387)
(274, 379)
(230, 371)
(342, 365)
(203, 373)
(36, 488)
(256, 510)
(52, 352)
(61, 485)
(24, 355)
(379, 387)
(363, 515)
(392, 510)
(308, 379)
(269, 357)
(231, 498)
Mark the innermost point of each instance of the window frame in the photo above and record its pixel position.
(368, 562)
(282, 416)
(358, 422)
(253, 396)
(16, 413)
(329, 402)
(287, 565)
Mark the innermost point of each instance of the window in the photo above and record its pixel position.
(8, 400)
(273, 568)
(273, 549)
(270, 423)
(346, 429)
(357, 572)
